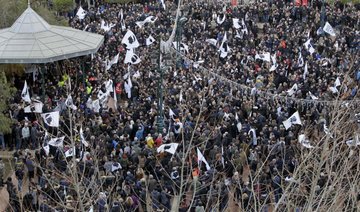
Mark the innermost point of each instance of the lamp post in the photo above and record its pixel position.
(160, 118)
(179, 30)
(156, 60)
(322, 14)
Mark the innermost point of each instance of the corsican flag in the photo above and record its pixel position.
(131, 57)
(70, 152)
(150, 40)
(292, 90)
(304, 142)
(201, 158)
(150, 19)
(51, 119)
(293, 119)
(309, 46)
(115, 166)
(130, 40)
(57, 142)
(81, 13)
(328, 29)
(25, 95)
(219, 19)
(82, 138)
(265, 57)
(170, 148)
(236, 23)
(69, 103)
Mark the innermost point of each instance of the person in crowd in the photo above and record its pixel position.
(242, 72)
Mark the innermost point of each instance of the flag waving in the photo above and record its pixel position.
(51, 119)
(57, 142)
(293, 119)
(201, 158)
(170, 148)
(130, 40)
(328, 29)
(25, 93)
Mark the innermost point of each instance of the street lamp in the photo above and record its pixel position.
(156, 60)
(179, 30)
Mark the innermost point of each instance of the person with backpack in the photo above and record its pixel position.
(19, 173)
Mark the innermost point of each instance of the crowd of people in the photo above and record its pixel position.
(226, 96)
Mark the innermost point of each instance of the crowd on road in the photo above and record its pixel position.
(242, 72)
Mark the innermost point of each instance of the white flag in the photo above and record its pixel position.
(81, 13)
(57, 142)
(313, 97)
(163, 4)
(236, 23)
(305, 71)
(113, 61)
(304, 142)
(106, 27)
(115, 99)
(244, 28)
(201, 158)
(69, 103)
(150, 40)
(328, 29)
(293, 119)
(196, 64)
(70, 152)
(180, 96)
(239, 126)
(300, 60)
(128, 86)
(220, 20)
(222, 156)
(170, 148)
(46, 149)
(184, 49)
(35, 107)
(265, 57)
(353, 142)
(130, 40)
(150, 19)
(292, 90)
(131, 57)
(212, 41)
(51, 119)
(309, 46)
(334, 90)
(82, 138)
(171, 113)
(337, 82)
(253, 134)
(224, 47)
(25, 95)
(115, 166)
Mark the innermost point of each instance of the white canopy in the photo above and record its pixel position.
(32, 40)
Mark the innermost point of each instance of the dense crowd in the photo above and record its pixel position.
(236, 123)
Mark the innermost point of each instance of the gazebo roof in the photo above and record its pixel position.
(32, 40)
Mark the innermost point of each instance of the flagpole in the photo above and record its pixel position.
(160, 118)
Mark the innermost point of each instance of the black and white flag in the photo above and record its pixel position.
(150, 40)
(51, 119)
(131, 57)
(293, 119)
(57, 142)
(130, 40)
(25, 95)
(81, 13)
(170, 148)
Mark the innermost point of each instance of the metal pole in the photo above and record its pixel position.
(178, 40)
(160, 120)
(42, 70)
